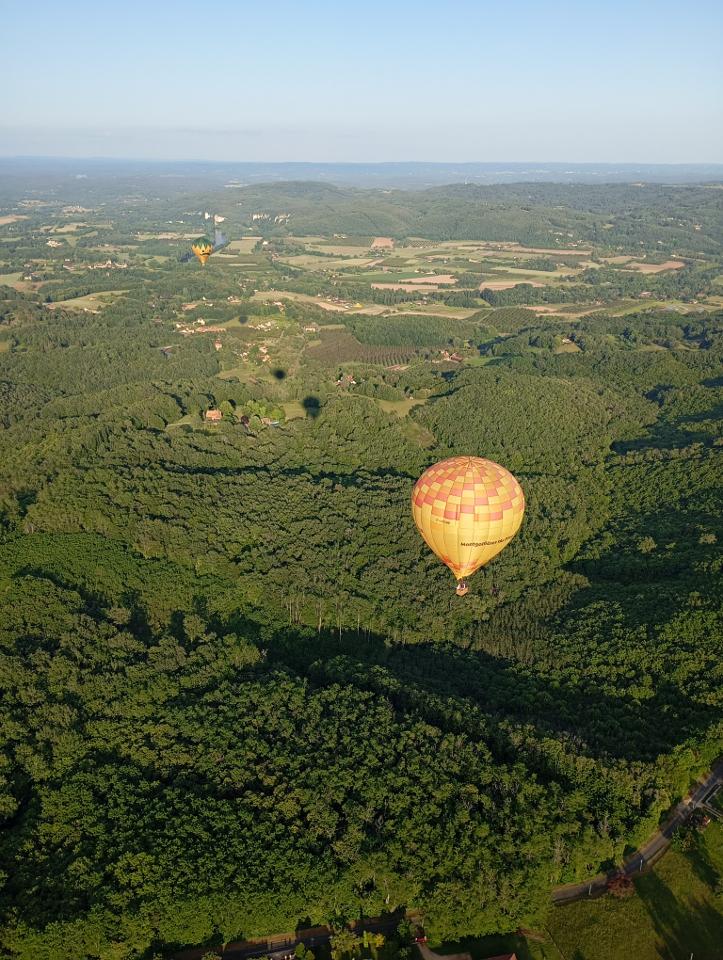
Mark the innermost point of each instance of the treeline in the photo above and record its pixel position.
(658, 218)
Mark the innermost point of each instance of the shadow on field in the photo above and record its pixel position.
(685, 930)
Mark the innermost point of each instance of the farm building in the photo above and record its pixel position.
(213, 416)
(109, 265)
(453, 357)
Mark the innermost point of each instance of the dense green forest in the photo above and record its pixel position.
(237, 689)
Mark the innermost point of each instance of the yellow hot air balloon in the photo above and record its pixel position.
(467, 509)
(203, 248)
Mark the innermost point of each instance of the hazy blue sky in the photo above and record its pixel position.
(312, 80)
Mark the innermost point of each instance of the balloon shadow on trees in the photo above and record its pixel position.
(474, 692)
(312, 406)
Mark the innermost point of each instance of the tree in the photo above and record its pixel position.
(621, 886)
(344, 943)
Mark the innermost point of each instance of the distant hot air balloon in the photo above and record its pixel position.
(467, 509)
(203, 248)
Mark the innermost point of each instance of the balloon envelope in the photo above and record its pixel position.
(203, 248)
(467, 509)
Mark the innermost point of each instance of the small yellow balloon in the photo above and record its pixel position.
(203, 249)
(467, 509)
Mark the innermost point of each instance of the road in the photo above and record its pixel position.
(650, 852)
(283, 944)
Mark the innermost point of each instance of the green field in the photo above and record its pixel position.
(677, 911)
(14, 280)
(400, 407)
(92, 301)
(293, 410)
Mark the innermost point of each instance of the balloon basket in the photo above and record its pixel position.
(461, 588)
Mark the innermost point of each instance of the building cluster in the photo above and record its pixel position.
(337, 300)
(260, 217)
(214, 415)
(109, 265)
(198, 326)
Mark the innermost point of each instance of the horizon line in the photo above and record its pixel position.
(440, 163)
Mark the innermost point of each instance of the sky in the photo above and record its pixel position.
(273, 80)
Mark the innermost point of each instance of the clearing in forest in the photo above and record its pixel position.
(656, 267)
(293, 410)
(400, 407)
(92, 302)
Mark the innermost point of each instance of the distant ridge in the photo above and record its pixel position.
(397, 175)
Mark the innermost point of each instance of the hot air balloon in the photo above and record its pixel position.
(203, 248)
(467, 510)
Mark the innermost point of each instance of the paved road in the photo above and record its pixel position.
(650, 852)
